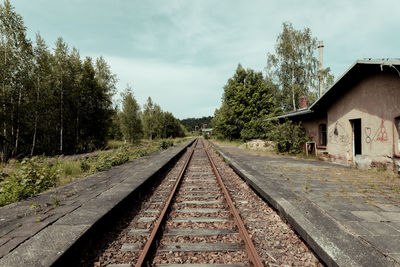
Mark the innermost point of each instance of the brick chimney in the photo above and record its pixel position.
(303, 102)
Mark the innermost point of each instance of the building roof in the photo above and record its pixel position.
(296, 113)
(358, 70)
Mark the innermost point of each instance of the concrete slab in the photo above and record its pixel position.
(199, 210)
(134, 247)
(198, 247)
(198, 196)
(201, 219)
(199, 265)
(146, 219)
(139, 232)
(42, 248)
(37, 231)
(200, 202)
(152, 211)
(199, 232)
(327, 215)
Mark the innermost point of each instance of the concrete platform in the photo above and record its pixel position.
(39, 230)
(345, 216)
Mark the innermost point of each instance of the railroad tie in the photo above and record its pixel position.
(199, 247)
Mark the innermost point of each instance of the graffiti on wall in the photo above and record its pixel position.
(338, 135)
(368, 138)
(380, 134)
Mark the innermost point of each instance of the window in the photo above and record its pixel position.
(322, 134)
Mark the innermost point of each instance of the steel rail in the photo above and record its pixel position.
(157, 226)
(250, 249)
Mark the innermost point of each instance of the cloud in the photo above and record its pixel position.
(185, 90)
(181, 52)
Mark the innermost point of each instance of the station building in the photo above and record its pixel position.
(357, 120)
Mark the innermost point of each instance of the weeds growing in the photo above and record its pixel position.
(34, 175)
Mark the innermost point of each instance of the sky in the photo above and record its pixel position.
(181, 53)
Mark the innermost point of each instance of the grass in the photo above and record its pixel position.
(13, 176)
(115, 144)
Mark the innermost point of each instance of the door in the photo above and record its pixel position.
(356, 129)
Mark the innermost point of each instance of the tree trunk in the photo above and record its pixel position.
(36, 118)
(294, 101)
(17, 131)
(61, 118)
(12, 124)
(4, 93)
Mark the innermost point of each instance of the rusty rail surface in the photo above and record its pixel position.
(157, 226)
(250, 249)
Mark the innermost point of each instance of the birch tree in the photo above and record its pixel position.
(294, 66)
(131, 124)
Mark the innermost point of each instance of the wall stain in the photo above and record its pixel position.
(338, 135)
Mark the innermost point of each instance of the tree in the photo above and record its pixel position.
(131, 125)
(16, 61)
(191, 123)
(247, 97)
(61, 57)
(171, 126)
(152, 120)
(50, 101)
(42, 82)
(294, 66)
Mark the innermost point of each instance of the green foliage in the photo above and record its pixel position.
(53, 102)
(191, 123)
(257, 128)
(84, 164)
(247, 98)
(55, 201)
(107, 161)
(160, 124)
(171, 126)
(33, 177)
(164, 144)
(295, 68)
(289, 137)
(129, 117)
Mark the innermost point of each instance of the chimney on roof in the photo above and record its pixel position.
(320, 69)
(303, 102)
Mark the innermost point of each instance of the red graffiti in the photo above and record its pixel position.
(382, 134)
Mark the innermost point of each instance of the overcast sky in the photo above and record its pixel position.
(181, 53)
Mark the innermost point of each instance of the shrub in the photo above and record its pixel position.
(289, 137)
(164, 144)
(85, 166)
(33, 177)
(109, 160)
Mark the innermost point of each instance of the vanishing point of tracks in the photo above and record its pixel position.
(191, 219)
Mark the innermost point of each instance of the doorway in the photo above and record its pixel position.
(356, 129)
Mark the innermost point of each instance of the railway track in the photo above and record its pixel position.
(197, 221)
(191, 219)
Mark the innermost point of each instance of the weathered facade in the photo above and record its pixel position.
(357, 120)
